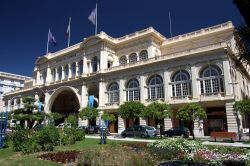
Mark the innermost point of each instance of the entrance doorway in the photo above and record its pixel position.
(66, 103)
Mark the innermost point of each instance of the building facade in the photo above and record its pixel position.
(145, 66)
(10, 82)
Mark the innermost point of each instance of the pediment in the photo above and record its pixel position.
(93, 40)
(41, 60)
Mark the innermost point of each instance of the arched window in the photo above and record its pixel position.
(113, 93)
(123, 60)
(155, 87)
(181, 84)
(132, 58)
(212, 81)
(54, 75)
(73, 69)
(60, 72)
(94, 64)
(80, 64)
(133, 90)
(66, 71)
(143, 55)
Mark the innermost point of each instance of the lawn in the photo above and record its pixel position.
(10, 158)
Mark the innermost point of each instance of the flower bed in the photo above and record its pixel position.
(62, 157)
(193, 151)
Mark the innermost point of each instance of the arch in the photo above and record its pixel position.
(155, 87)
(58, 91)
(133, 58)
(143, 55)
(113, 93)
(123, 60)
(211, 80)
(133, 90)
(210, 70)
(181, 84)
(181, 75)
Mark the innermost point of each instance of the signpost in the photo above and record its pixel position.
(3, 125)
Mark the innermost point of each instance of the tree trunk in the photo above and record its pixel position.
(248, 115)
(193, 130)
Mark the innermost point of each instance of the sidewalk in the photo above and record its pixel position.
(235, 144)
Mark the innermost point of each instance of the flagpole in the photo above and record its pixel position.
(48, 43)
(96, 21)
(170, 25)
(69, 31)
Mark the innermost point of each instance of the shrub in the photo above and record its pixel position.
(48, 137)
(115, 156)
(71, 135)
(19, 137)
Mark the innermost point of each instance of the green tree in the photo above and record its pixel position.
(242, 34)
(157, 111)
(131, 109)
(27, 114)
(191, 112)
(108, 117)
(244, 108)
(88, 113)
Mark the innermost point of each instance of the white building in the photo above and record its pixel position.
(145, 66)
(10, 82)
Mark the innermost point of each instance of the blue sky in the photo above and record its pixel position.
(24, 24)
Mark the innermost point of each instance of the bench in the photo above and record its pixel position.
(231, 135)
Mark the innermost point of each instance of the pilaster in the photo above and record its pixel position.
(121, 125)
(84, 96)
(227, 78)
(63, 73)
(167, 91)
(231, 118)
(167, 123)
(77, 69)
(142, 89)
(122, 93)
(194, 76)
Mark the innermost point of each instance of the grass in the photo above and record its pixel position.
(10, 158)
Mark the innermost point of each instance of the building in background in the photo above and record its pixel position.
(144, 66)
(10, 82)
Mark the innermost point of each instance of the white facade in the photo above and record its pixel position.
(145, 66)
(10, 82)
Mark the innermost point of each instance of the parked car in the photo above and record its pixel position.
(138, 131)
(92, 129)
(38, 127)
(183, 132)
(63, 125)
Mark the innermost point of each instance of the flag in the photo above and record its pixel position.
(51, 38)
(67, 34)
(92, 16)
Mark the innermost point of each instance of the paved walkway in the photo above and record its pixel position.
(235, 144)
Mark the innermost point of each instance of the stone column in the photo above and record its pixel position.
(77, 69)
(57, 75)
(142, 89)
(103, 58)
(151, 49)
(70, 71)
(227, 79)
(101, 103)
(38, 77)
(143, 121)
(198, 129)
(63, 73)
(21, 103)
(121, 125)
(48, 77)
(195, 82)
(9, 105)
(167, 89)
(85, 65)
(15, 104)
(84, 96)
(122, 93)
(231, 118)
(167, 123)
(46, 103)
